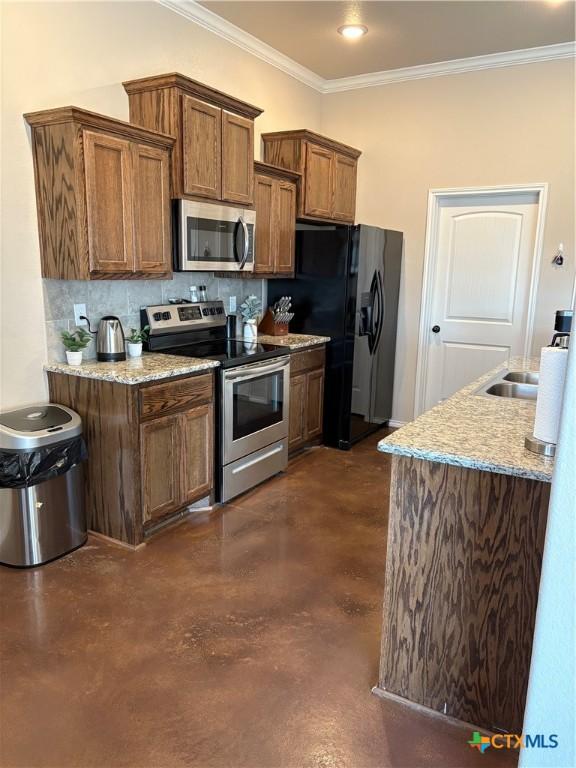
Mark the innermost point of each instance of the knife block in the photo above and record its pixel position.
(268, 326)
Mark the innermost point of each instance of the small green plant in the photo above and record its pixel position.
(136, 336)
(76, 341)
(250, 308)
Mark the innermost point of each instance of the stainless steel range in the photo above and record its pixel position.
(252, 392)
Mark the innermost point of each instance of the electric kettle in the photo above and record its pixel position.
(110, 346)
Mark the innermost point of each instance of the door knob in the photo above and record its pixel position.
(435, 329)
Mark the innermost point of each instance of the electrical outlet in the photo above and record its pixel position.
(80, 309)
(232, 304)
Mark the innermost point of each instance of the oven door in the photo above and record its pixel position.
(215, 237)
(255, 406)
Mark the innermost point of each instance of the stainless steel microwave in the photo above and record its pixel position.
(213, 237)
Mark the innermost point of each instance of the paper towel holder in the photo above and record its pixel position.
(540, 446)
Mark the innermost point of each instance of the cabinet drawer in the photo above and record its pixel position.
(305, 361)
(175, 395)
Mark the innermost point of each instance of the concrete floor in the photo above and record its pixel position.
(246, 639)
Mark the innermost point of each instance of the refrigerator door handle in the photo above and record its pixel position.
(371, 310)
(381, 310)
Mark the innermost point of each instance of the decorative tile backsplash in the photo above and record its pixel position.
(124, 298)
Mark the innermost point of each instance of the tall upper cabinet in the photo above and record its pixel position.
(327, 191)
(275, 203)
(103, 196)
(214, 153)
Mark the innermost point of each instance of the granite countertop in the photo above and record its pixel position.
(294, 340)
(475, 431)
(135, 370)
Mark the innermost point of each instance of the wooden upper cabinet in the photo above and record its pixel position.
(102, 196)
(109, 196)
(275, 203)
(327, 191)
(214, 152)
(202, 140)
(319, 182)
(264, 188)
(237, 159)
(344, 184)
(152, 225)
(286, 227)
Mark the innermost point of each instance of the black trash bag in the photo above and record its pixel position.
(22, 469)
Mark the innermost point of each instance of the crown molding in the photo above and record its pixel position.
(209, 20)
(212, 22)
(452, 67)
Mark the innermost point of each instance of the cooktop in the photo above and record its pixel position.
(228, 352)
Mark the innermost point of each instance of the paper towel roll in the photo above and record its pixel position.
(550, 388)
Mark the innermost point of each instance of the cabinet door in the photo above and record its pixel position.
(237, 159)
(196, 429)
(109, 202)
(297, 422)
(264, 240)
(319, 179)
(202, 148)
(151, 168)
(285, 227)
(314, 403)
(161, 451)
(344, 188)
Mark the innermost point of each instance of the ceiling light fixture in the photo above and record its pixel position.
(352, 31)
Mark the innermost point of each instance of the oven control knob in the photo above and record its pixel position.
(212, 310)
(220, 310)
(205, 312)
(157, 316)
(166, 315)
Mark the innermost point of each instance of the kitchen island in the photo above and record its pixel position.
(468, 510)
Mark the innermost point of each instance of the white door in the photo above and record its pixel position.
(480, 288)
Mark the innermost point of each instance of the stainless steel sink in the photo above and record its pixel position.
(513, 389)
(522, 377)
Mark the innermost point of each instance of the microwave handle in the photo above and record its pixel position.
(246, 243)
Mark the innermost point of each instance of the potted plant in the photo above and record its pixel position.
(135, 340)
(74, 343)
(250, 309)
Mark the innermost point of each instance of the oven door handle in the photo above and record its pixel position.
(246, 244)
(247, 371)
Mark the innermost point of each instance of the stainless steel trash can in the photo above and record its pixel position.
(42, 514)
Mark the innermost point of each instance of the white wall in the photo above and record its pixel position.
(500, 126)
(551, 703)
(54, 54)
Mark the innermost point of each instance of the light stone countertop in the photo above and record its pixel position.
(475, 431)
(136, 370)
(294, 340)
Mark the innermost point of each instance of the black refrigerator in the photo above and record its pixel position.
(346, 286)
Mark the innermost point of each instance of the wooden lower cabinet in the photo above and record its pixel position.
(314, 403)
(196, 429)
(160, 451)
(150, 449)
(306, 398)
(297, 423)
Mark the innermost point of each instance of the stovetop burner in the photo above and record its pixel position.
(228, 352)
